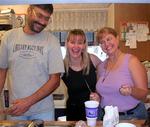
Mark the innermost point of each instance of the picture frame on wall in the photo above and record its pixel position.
(20, 20)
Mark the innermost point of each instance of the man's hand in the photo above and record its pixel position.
(2, 111)
(18, 107)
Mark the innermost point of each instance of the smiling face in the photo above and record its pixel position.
(37, 19)
(109, 44)
(76, 45)
(108, 40)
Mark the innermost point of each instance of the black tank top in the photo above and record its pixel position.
(77, 89)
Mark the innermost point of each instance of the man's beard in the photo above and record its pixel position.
(33, 27)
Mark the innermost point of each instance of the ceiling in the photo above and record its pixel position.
(10, 2)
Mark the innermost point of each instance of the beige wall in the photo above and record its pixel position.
(111, 20)
(19, 9)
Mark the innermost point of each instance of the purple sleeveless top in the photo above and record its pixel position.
(109, 89)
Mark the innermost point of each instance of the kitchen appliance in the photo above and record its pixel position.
(7, 20)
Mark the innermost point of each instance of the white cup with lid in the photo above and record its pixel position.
(91, 108)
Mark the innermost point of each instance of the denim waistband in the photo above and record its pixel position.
(130, 111)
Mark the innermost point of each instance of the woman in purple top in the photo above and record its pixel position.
(123, 80)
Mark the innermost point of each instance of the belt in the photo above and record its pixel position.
(129, 112)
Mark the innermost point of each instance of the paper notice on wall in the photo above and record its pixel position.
(127, 43)
(133, 43)
(131, 40)
(142, 31)
(142, 37)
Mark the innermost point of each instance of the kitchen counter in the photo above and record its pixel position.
(4, 123)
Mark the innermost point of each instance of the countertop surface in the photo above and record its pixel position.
(4, 123)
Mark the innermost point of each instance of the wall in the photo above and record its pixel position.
(69, 16)
(134, 12)
(19, 9)
(116, 14)
(111, 21)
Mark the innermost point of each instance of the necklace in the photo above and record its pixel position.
(111, 67)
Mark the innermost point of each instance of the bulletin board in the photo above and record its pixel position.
(134, 32)
(136, 13)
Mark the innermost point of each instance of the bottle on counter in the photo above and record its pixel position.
(6, 98)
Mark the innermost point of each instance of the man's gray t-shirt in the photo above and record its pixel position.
(30, 60)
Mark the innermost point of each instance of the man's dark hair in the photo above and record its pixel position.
(47, 7)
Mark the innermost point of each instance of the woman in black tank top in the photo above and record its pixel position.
(80, 76)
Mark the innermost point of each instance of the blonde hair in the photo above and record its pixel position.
(85, 56)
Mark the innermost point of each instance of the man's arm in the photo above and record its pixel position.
(46, 89)
(20, 106)
(2, 81)
(3, 73)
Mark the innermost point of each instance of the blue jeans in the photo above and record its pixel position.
(43, 116)
(139, 113)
